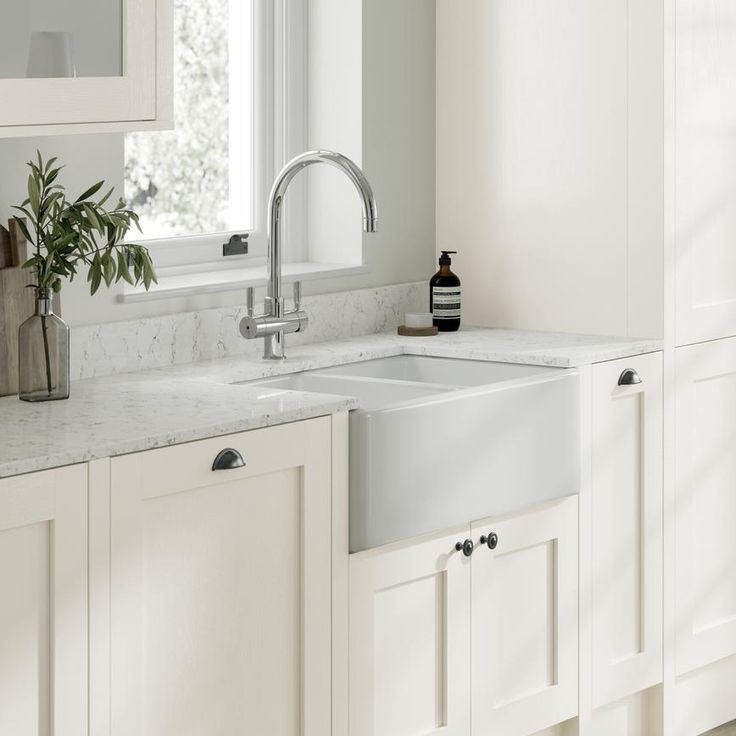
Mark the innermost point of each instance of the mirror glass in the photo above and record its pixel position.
(61, 38)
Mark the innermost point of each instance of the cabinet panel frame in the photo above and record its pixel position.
(375, 570)
(59, 497)
(556, 523)
(140, 99)
(613, 681)
(695, 648)
(180, 468)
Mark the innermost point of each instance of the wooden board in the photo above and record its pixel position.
(16, 302)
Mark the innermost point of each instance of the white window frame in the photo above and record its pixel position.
(280, 126)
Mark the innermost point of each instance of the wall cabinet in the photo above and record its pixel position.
(133, 93)
(626, 528)
(705, 504)
(438, 640)
(221, 587)
(43, 615)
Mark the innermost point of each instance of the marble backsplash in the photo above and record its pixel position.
(122, 347)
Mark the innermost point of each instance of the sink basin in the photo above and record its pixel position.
(439, 442)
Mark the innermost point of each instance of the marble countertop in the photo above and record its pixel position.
(131, 412)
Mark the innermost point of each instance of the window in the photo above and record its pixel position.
(239, 115)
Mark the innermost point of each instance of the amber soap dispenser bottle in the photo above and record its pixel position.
(444, 296)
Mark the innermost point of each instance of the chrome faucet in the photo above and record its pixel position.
(276, 322)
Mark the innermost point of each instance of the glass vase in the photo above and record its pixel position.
(43, 353)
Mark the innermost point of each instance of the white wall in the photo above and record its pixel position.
(549, 161)
(395, 122)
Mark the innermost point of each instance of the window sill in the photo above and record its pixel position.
(175, 282)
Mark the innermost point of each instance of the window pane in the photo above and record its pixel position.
(198, 178)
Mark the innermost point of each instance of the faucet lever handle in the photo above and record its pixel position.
(250, 300)
(297, 296)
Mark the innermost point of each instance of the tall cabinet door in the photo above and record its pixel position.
(410, 639)
(43, 608)
(525, 621)
(705, 503)
(220, 580)
(705, 175)
(626, 527)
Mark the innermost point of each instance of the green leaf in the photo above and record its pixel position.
(123, 269)
(95, 276)
(34, 194)
(94, 219)
(90, 192)
(108, 268)
(106, 197)
(24, 229)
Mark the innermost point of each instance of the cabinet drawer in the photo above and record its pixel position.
(190, 465)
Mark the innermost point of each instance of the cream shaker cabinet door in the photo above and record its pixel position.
(221, 586)
(525, 621)
(410, 639)
(705, 260)
(705, 505)
(626, 527)
(83, 91)
(43, 613)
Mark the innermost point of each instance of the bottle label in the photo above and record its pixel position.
(446, 302)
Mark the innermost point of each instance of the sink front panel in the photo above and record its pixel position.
(464, 456)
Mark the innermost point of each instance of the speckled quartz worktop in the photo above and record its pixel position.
(138, 411)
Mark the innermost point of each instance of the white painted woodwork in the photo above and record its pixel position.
(704, 699)
(524, 672)
(549, 161)
(639, 714)
(705, 116)
(221, 600)
(410, 639)
(99, 597)
(140, 98)
(705, 437)
(626, 529)
(43, 615)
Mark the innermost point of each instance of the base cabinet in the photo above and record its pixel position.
(221, 587)
(524, 617)
(705, 504)
(43, 608)
(625, 526)
(410, 640)
(439, 639)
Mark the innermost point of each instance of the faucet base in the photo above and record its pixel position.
(274, 346)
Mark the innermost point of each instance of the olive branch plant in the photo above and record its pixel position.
(66, 235)
(69, 235)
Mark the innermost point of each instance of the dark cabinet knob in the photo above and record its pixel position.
(629, 377)
(465, 547)
(491, 540)
(228, 459)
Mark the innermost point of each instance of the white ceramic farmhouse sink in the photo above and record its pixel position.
(439, 442)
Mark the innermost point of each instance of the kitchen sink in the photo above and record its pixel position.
(439, 442)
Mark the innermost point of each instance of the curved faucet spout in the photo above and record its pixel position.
(277, 322)
(275, 202)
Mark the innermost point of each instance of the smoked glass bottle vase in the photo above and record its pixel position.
(43, 353)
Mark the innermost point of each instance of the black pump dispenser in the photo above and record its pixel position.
(444, 295)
